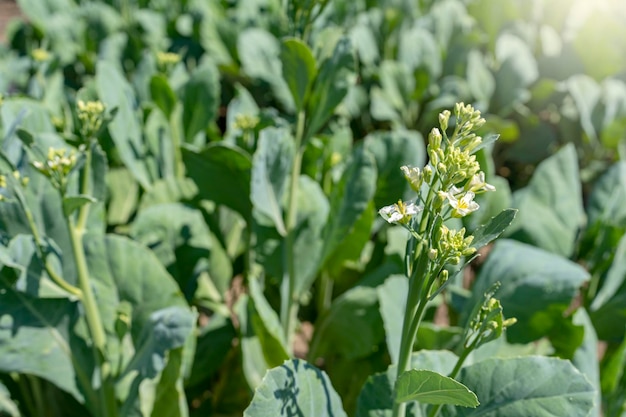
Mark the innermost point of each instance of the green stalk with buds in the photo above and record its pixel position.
(446, 188)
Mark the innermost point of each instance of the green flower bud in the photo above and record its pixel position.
(432, 254)
(434, 138)
(443, 277)
(428, 173)
(444, 118)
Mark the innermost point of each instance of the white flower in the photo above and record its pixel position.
(463, 206)
(400, 212)
(477, 184)
(414, 176)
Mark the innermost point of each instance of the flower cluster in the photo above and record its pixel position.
(487, 322)
(452, 244)
(245, 121)
(166, 60)
(4, 182)
(91, 116)
(40, 55)
(57, 166)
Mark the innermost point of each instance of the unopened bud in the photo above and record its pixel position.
(428, 173)
(434, 138)
(443, 277)
(455, 260)
(432, 254)
(444, 118)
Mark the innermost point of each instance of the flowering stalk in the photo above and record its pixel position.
(446, 188)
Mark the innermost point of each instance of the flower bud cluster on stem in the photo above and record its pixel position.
(446, 187)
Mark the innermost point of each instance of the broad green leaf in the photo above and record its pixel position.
(349, 199)
(607, 196)
(550, 207)
(295, 387)
(267, 326)
(433, 388)
(585, 358)
(481, 82)
(330, 87)
(299, 69)
(352, 327)
(271, 168)
(613, 368)
(222, 175)
(259, 53)
(214, 342)
(162, 94)
(493, 228)
(169, 190)
(38, 337)
(609, 307)
(391, 151)
(201, 98)
(165, 397)
(312, 209)
(7, 406)
(75, 202)
(253, 360)
(125, 128)
(376, 397)
(529, 386)
(123, 192)
(27, 114)
(158, 132)
(586, 94)
(183, 243)
(529, 273)
(31, 278)
(392, 301)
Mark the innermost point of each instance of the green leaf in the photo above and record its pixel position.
(201, 98)
(607, 196)
(529, 386)
(299, 69)
(392, 300)
(73, 203)
(123, 192)
(550, 207)
(376, 397)
(267, 327)
(183, 243)
(352, 327)
(38, 337)
(7, 406)
(528, 273)
(490, 231)
(391, 151)
(480, 80)
(271, 166)
(349, 199)
(222, 175)
(125, 128)
(162, 94)
(295, 387)
(585, 358)
(330, 87)
(432, 388)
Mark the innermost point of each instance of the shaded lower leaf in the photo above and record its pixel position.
(493, 228)
(7, 406)
(295, 388)
(529, 386)
(75, 202)
(433, 388)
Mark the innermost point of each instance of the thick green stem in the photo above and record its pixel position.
(108, 406)
(289, 306)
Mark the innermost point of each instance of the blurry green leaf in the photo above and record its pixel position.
(75, 202)
(7, 406)
(267, 326)
(271, 167)
(481, 82)
(214, 341)
(125, 129)
(550, 207)
(418, 49)
(299, 69)
(433, 388)
(586, 94)
(528, 386)
(295, 387)
(605, 203)
(259, 53)
(349, 198)
(392, 301)
(123, 192)
(613, 368)
(490, 231)
(201, 98)
(352, 327)
(162, 94)
(183, 243)
(585, 358)
(529, 273)
(38, 338)
(330, 86)
(222, 175)
(391, 151)
(169, 190)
